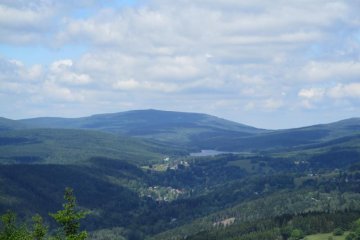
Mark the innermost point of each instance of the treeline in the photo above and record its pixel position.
(286, 227)
(68, 220)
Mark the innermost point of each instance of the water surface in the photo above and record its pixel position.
(207, 153)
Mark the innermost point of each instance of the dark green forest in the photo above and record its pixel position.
(134, 177)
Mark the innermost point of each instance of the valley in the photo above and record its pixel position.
(151, 174)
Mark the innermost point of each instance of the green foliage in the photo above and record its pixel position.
(338, 231)
(355, 231)
(324, 236)
(108, 234)
(69, 218)
(39, 229)
(350, 236)
(65, 146)
(10, 230)
(281, 227)
(296, 234)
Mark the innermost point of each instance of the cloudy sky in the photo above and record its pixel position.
(270, 64)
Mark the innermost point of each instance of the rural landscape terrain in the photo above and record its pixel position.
(180, 120)
(151, 174)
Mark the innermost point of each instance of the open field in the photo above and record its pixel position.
(325, 236)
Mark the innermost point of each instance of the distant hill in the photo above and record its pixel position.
(140, 122)
(195, 131)
(284, 139)
(8, 124)
(176, 128)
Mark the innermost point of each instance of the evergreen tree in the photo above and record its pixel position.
(296, 234)
(39, 230)
(355, 233)
(10, 231)
(69, 218)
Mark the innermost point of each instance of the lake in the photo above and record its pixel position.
(207, 153)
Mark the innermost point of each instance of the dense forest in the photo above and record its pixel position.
(134, 183)
(68, 218)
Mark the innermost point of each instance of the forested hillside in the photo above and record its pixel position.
(136, 182)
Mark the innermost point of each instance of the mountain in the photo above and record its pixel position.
(285, 139)
(132, 172)
(175, 128)
(141, 122)
(195, 131)
(8, 124)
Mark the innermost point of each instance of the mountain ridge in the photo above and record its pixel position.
(29, 120)
(169, 127)
(133, 113)
(196, 131)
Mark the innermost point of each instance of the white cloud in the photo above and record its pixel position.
(158, 73)
(53, 91)
(25, 24)
(161, 86)
(35, 72)
(175, 68)
(21, 18)
(160, 47)
(161, 26)
(126, 85)
(246, 79)
(312, 93)
(307, 104)
(351, 90)
(272, 104)
(134, 85)
(61, 65)
(312, 98)
(249, 106)
(22, 72)
(332, 71)
(63, 71)
(41, 85)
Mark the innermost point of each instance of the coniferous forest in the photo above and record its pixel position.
(179, 120)
(285, 184)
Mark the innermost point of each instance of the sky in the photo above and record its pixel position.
(270, 64)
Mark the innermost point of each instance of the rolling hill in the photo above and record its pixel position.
(8, 124)
(132, 171)
(141, 122)
(73, 146)
(174, 128)
(200, 131)
(284, 139)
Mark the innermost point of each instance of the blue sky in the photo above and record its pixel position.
(270, 64)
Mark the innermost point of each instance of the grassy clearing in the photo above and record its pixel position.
(157, 167)
(249, 166)
(325, 236)
(243, 164)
